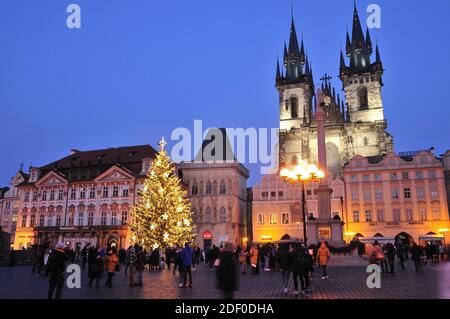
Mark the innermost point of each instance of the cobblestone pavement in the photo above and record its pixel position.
(345, 282)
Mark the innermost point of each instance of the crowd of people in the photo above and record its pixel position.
(290, 259)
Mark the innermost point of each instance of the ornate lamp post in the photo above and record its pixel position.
(302, 174)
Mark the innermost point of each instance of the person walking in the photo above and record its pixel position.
(96, 269)
(254, 259)
(56, 267)
(131, 265)
(390, 256)
(401, 255)
(111, 261)
(243, 260)
(84, 253)
(298, 268)
(417, 253)
(323, 256)
(284, 263)
(186, 256)
(139, 264)
(178, 264)
(442, 251)
(227, 271)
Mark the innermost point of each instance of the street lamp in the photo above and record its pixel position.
(302, 174)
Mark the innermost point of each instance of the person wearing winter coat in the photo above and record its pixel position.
(284, 263)
(298, 260)
(96, 268)
(56, 266)
(187, 254)
(227, 272)
(111, 261)
(243, 260)
(254, 258)
(323, 256)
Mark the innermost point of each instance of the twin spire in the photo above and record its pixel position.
(296, 63)
(359, 50)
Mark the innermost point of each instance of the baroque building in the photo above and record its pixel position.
(394, 196)
(84, 198)
(354, 127)
(218, 192)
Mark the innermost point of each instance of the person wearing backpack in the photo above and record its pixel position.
(323, 256)
(284, 263)
(298, 268)
(56, 266)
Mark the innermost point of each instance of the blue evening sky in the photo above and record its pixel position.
(137, 69)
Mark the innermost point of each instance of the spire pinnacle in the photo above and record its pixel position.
(342, 62)
(368, 42)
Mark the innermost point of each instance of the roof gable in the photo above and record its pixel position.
(52, 178)
(115, 173)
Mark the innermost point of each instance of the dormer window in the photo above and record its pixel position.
(146, 166)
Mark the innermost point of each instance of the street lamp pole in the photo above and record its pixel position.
(305, 239)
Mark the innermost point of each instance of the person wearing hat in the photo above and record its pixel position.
(56, 266)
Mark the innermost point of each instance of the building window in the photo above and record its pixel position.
(194, 189)
(285, 218)
(419, 175)
(280, 194)
(407, 192)
(7, 205)
(115, 191)
(73, 193)
(354, 178)
(83, 193)
(436, 213)
(90, 218)
(379, 194)
(125, 192)
(433, 174)
(114, 218)
(394, 193)
(71, 219)
(272, 219)
(294, 107)
(80, 219)
(396, 215)
(208, 215)
(363, 98)
(355, 194)
(367, 194)
(208, 189)
(368, 215)
(420, 193)
(405, 176)
(50, 220)
(60, 194)
(52, 194)
(377, 177)
(105, 191)
(273, 194)
(308, 192)
(124, 220)
(44, 195)
(393, 176)
(58, 220)
(366, 141)
(32, 220)
(423, 214)
(380, 215)
(222, 215)
(366, 178)
(27, 197)
(223, 188)
(103, 219)
(434, 192)
(410, 214)
(24, 220)
(265, 194)
(92, 192)
(41, 220)
(35, 196)
(356, 216)
(260, 219)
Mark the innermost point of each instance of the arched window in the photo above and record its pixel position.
(194, 190)
(363, 98)
(294, 160)
(294, 107)
(194, 215)
(223, 187)
(208, 189)
(222, 215)
(208, 215)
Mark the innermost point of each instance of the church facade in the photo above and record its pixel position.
(354, 127)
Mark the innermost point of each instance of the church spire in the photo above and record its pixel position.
(378, 58)
(358, 42)
(348, 46)
(278, 74)
(368, 42)
(342, 63)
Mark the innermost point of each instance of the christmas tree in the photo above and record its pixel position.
(162, 215)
